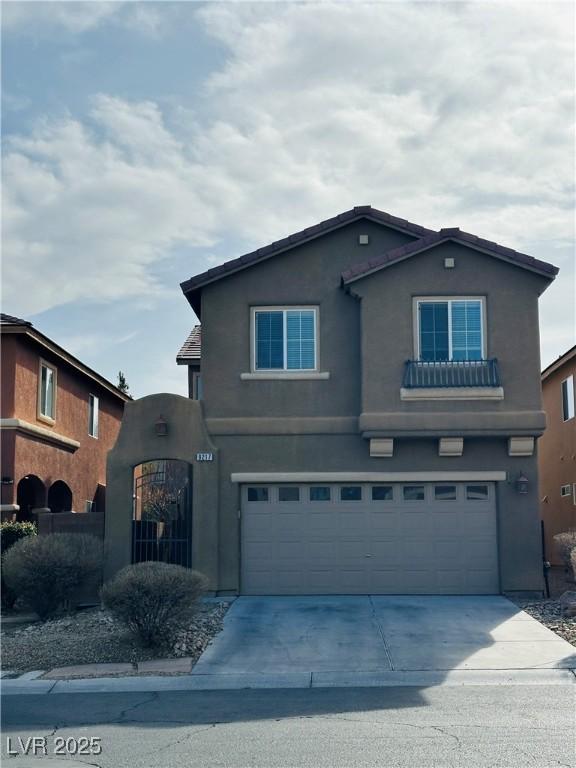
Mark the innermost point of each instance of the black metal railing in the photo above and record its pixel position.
(451, 373)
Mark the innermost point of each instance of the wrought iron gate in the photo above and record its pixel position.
(162, 513)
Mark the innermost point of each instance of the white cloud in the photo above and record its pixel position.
(36, 15)
(447, 114)
(41, 18)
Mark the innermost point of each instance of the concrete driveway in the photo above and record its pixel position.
(371, 635)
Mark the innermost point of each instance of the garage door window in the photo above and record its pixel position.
(445, 492)
(382, 493)
(258, 494)
(351, 493)
(476, 492)
(289, 493)
(320, 493)
(413, 493)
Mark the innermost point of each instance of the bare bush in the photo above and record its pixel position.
(565, 544)
(47, 570)
(154, 599)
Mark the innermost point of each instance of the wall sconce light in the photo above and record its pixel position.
(161, 427)
(522, 484)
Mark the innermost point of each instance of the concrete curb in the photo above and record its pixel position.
(199, 682)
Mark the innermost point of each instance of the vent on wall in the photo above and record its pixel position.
(363, 239)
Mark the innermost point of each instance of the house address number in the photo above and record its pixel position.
(204, 457)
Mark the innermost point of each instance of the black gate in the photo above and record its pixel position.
(162, 513)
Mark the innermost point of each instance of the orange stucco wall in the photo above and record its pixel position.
(23, 454)
(557, 460)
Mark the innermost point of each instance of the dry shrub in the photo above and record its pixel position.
(47, 570)
(565, 544)
(154, 599)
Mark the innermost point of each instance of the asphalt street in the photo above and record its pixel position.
(468, 726)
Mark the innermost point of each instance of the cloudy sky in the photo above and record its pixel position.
(146, 141)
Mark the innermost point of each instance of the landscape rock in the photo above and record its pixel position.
(93, 636)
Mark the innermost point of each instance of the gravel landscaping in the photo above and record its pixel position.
(93, 636)
(549, 613)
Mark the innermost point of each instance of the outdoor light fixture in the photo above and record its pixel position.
(522, 483)
(161, 427)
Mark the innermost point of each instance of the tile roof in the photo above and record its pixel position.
(444, 235)
(11, 320)
(191, 349)
(359, 212)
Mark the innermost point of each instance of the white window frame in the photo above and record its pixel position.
(448, 300)
(93, 422)
(570, 400)
(285, 371)
(43, 416)
(565, 490)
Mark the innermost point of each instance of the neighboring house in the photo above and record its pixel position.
(557, 451)
(190, 355)
(58, 421)
(370, 400)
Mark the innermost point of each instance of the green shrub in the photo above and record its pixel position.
(11, 532)
(154, 599)
(565, 543)
(47, 570)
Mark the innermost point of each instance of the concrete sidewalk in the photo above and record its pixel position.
(287, 680)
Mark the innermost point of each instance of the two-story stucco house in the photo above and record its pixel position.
(59, 419)
(557, 451)
(370, 406)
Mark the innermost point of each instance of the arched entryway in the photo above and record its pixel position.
(60, 497)
(30, 494)
(162, 512)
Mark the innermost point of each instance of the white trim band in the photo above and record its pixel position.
(285, 375)
(365, 477)
(452, 393)
(41, 432)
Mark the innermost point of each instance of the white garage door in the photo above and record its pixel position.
(409, 538)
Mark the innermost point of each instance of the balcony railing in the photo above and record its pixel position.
(451, 373)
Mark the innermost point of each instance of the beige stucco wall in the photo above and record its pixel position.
(138, 442)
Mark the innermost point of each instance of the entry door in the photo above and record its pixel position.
(411, 538)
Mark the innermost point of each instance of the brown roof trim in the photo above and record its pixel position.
(298, 238)
(559, 362)
(27, 329)
(444, 235)
(191, 350)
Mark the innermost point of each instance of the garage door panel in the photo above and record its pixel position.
(392, 546)
(322, 552)
(385, 552)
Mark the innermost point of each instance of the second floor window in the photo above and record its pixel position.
(93, 415)
(285, 339)
(47, 391)
(568, 398)
(450, 329)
